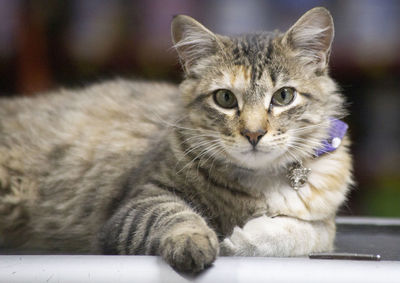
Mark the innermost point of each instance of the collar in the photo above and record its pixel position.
(337, 131)
(297, 174)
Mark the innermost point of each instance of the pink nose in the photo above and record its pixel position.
(253, 137)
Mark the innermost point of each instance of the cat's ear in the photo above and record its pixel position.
(192, 40)
(311, 37)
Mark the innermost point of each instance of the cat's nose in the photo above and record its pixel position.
(253, 137)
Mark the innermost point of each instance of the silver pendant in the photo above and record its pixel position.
(297, 175)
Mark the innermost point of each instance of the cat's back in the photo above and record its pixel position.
(84, 126)
(69, 146)
(107, 110)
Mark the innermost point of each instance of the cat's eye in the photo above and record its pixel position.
(225, 98)
(283, 96)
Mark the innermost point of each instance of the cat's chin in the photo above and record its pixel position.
(257, 159)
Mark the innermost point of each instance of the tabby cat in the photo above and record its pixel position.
(187, 173)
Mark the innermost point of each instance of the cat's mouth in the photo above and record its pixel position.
(256, 151)
(255, 157)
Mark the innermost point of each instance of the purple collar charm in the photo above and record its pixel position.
(297, 174)
(337, 130)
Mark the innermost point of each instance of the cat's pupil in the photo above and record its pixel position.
(227, 97)
(283, 94)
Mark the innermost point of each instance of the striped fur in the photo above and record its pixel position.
(149, 168)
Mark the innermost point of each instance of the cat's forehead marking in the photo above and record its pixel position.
(254, 51)
(251, 74)
(240, 77)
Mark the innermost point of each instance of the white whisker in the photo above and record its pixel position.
(204, 151)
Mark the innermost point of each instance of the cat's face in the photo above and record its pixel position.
(261, 99)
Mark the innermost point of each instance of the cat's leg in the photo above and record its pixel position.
(279, 236)
(157, 222)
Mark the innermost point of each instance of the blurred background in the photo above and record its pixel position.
(47, 44)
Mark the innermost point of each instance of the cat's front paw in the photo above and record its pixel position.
(279, 236)
(190, 249)
(266, 236)
(240, 243)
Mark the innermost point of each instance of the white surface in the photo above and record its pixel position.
(375, 221)
(144, 269)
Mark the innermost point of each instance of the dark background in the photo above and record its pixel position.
(47, 44)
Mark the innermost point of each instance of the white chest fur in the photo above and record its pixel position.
(319, 198)
(296, 222)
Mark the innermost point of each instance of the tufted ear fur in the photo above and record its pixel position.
(311, 37)
(192, 40)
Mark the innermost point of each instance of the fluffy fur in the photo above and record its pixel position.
(147, 168)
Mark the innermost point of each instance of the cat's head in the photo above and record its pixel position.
(261, 99)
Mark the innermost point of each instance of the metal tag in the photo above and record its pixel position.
(297, 175)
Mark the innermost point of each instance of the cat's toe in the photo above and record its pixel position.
(190, 250)
(227, 248)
